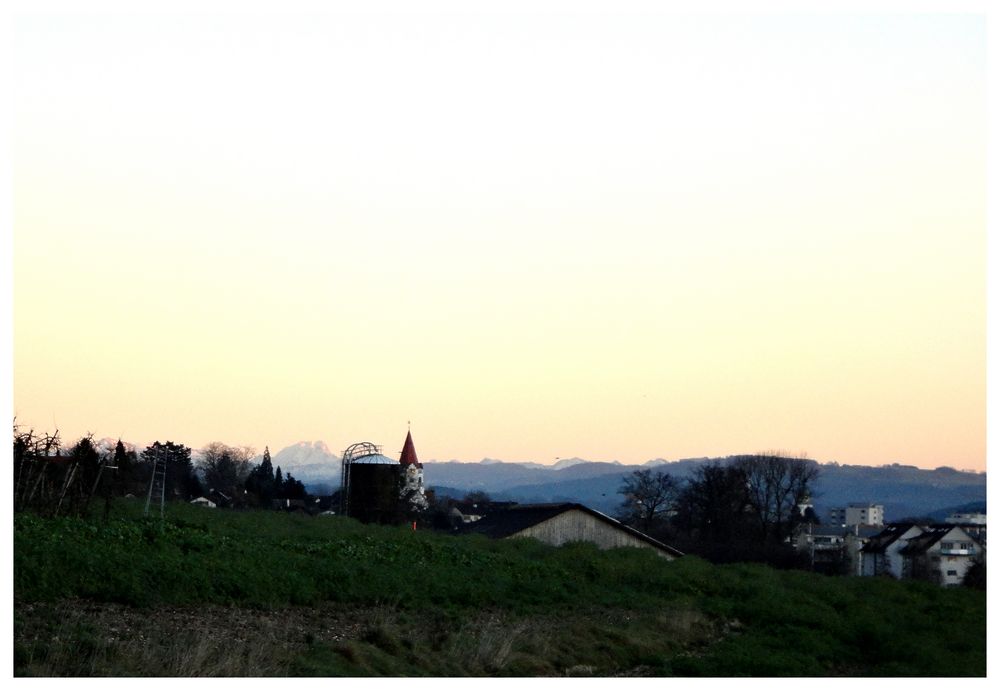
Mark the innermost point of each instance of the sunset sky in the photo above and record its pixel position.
(534, 236)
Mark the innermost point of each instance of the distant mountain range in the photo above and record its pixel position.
(904, 491)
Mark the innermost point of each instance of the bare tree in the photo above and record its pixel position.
(776, 486)
(225, 468)
(713, 506)
(649, 496)
(36, 478)
(51, 482)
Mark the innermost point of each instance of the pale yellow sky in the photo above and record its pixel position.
(613, 237)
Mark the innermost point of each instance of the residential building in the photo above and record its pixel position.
(858, 514)
(835, 550)
(881, 555)
(825, 546)
(855, 538)
(940, 553)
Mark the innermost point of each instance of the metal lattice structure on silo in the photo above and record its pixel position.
(369, 484)
(352, 453)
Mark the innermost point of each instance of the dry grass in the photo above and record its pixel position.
(76, 638)
(484, 645)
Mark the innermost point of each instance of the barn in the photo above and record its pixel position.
(558, 524)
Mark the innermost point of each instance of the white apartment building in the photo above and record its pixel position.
(858, 514)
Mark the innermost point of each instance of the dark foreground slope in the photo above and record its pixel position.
(255, 593)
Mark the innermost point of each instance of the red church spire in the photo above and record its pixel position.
(409, 455)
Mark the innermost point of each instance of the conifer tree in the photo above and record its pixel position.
(292, 488)
(85, 464)
(261, 480)
(278, 484)
(124, 464)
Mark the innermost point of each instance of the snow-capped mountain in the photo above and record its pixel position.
(302, 454)
(306, 460)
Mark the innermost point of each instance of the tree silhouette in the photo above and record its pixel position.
(225, 468)
(714, 506)
(292, 488)
(776, 486)
(278, 482)
(38, 469)
(260, 481)
(181, 482)
(649, 496)
(80, 481)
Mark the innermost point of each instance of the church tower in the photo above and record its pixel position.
(413, 476)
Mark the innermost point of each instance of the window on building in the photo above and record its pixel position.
(952, 572)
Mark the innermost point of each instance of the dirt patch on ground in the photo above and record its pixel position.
(82, 638)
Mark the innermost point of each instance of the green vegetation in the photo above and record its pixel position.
(381, 600)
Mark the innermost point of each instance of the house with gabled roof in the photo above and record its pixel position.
(880, 557)
(558, 524)
(940, 553)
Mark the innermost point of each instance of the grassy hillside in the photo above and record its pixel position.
(248, 593)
